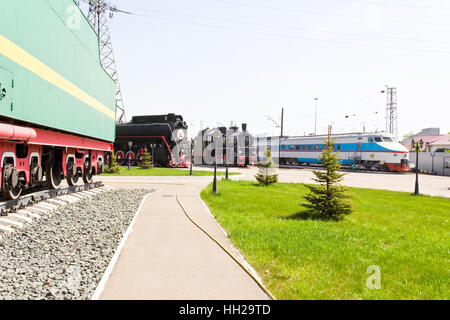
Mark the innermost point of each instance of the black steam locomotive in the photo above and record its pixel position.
(162, 135)
(225, 146)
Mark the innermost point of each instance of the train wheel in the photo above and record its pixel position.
(140, 157)
(130, 155)
(71, 181)
(72, 176)
(88, 178)
(11, 177)
(87, 175)
(120, 157)
(53, 176)
(12, 194)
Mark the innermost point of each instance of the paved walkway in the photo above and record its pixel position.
(167, 257)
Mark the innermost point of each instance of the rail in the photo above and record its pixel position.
(34, 197)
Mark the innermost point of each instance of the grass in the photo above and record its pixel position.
(406, 236)
(136, 171)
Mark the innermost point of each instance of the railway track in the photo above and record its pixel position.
(14, 214)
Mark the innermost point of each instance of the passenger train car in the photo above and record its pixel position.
(372, 151)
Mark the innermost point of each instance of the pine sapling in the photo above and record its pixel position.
(328, 200)
(266, 170)
(146, 160)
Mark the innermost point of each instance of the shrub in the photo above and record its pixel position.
(114, 166)
(146, 160)
(328, 199)
(266, 171)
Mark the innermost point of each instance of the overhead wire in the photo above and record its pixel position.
(292, 28)
(279, 35)
(295, 10)
(403, 5)
(296, 37)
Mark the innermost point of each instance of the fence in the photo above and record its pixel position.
(434, 162)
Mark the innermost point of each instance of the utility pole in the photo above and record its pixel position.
(315, 117)
(282, 121)
(391, 112)
(98, 18)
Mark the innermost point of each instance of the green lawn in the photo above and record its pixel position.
(406, 236)
(136, 171)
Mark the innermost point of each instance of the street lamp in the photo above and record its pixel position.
(215, 174)
(130, 144)
(432, 162)
(416, 146)
(215, 166)
(192, 157)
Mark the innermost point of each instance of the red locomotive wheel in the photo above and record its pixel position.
(130, 155)
(120, 157)
(140, 157)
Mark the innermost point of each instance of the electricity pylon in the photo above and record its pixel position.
(99, 11)
(391, 112)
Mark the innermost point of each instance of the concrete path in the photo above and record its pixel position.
(167, 257)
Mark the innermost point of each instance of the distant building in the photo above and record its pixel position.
(433, 141)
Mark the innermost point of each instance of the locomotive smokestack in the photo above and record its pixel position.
(244, 127)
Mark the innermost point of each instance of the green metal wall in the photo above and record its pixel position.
(40, 27)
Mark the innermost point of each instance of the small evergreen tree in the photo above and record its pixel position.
(114, 166)
(146, 160)
(266, 171)
(328, 199)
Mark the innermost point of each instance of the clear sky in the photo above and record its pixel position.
(217, 61)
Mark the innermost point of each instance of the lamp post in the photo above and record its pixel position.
(226, 170)
(416, 145)
(130, 144)
(215, 174)
(432, 162)
(192, 158)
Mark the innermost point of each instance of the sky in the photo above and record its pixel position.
(218, 62)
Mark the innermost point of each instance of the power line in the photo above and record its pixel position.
(283, 35)
(392, 4)
(291, 10)
(294, 37)
(292, 28)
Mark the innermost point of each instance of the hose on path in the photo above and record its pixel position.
(261, 285)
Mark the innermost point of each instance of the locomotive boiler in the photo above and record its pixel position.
(164, 136)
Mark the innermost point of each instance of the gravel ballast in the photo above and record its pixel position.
(65, 254)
